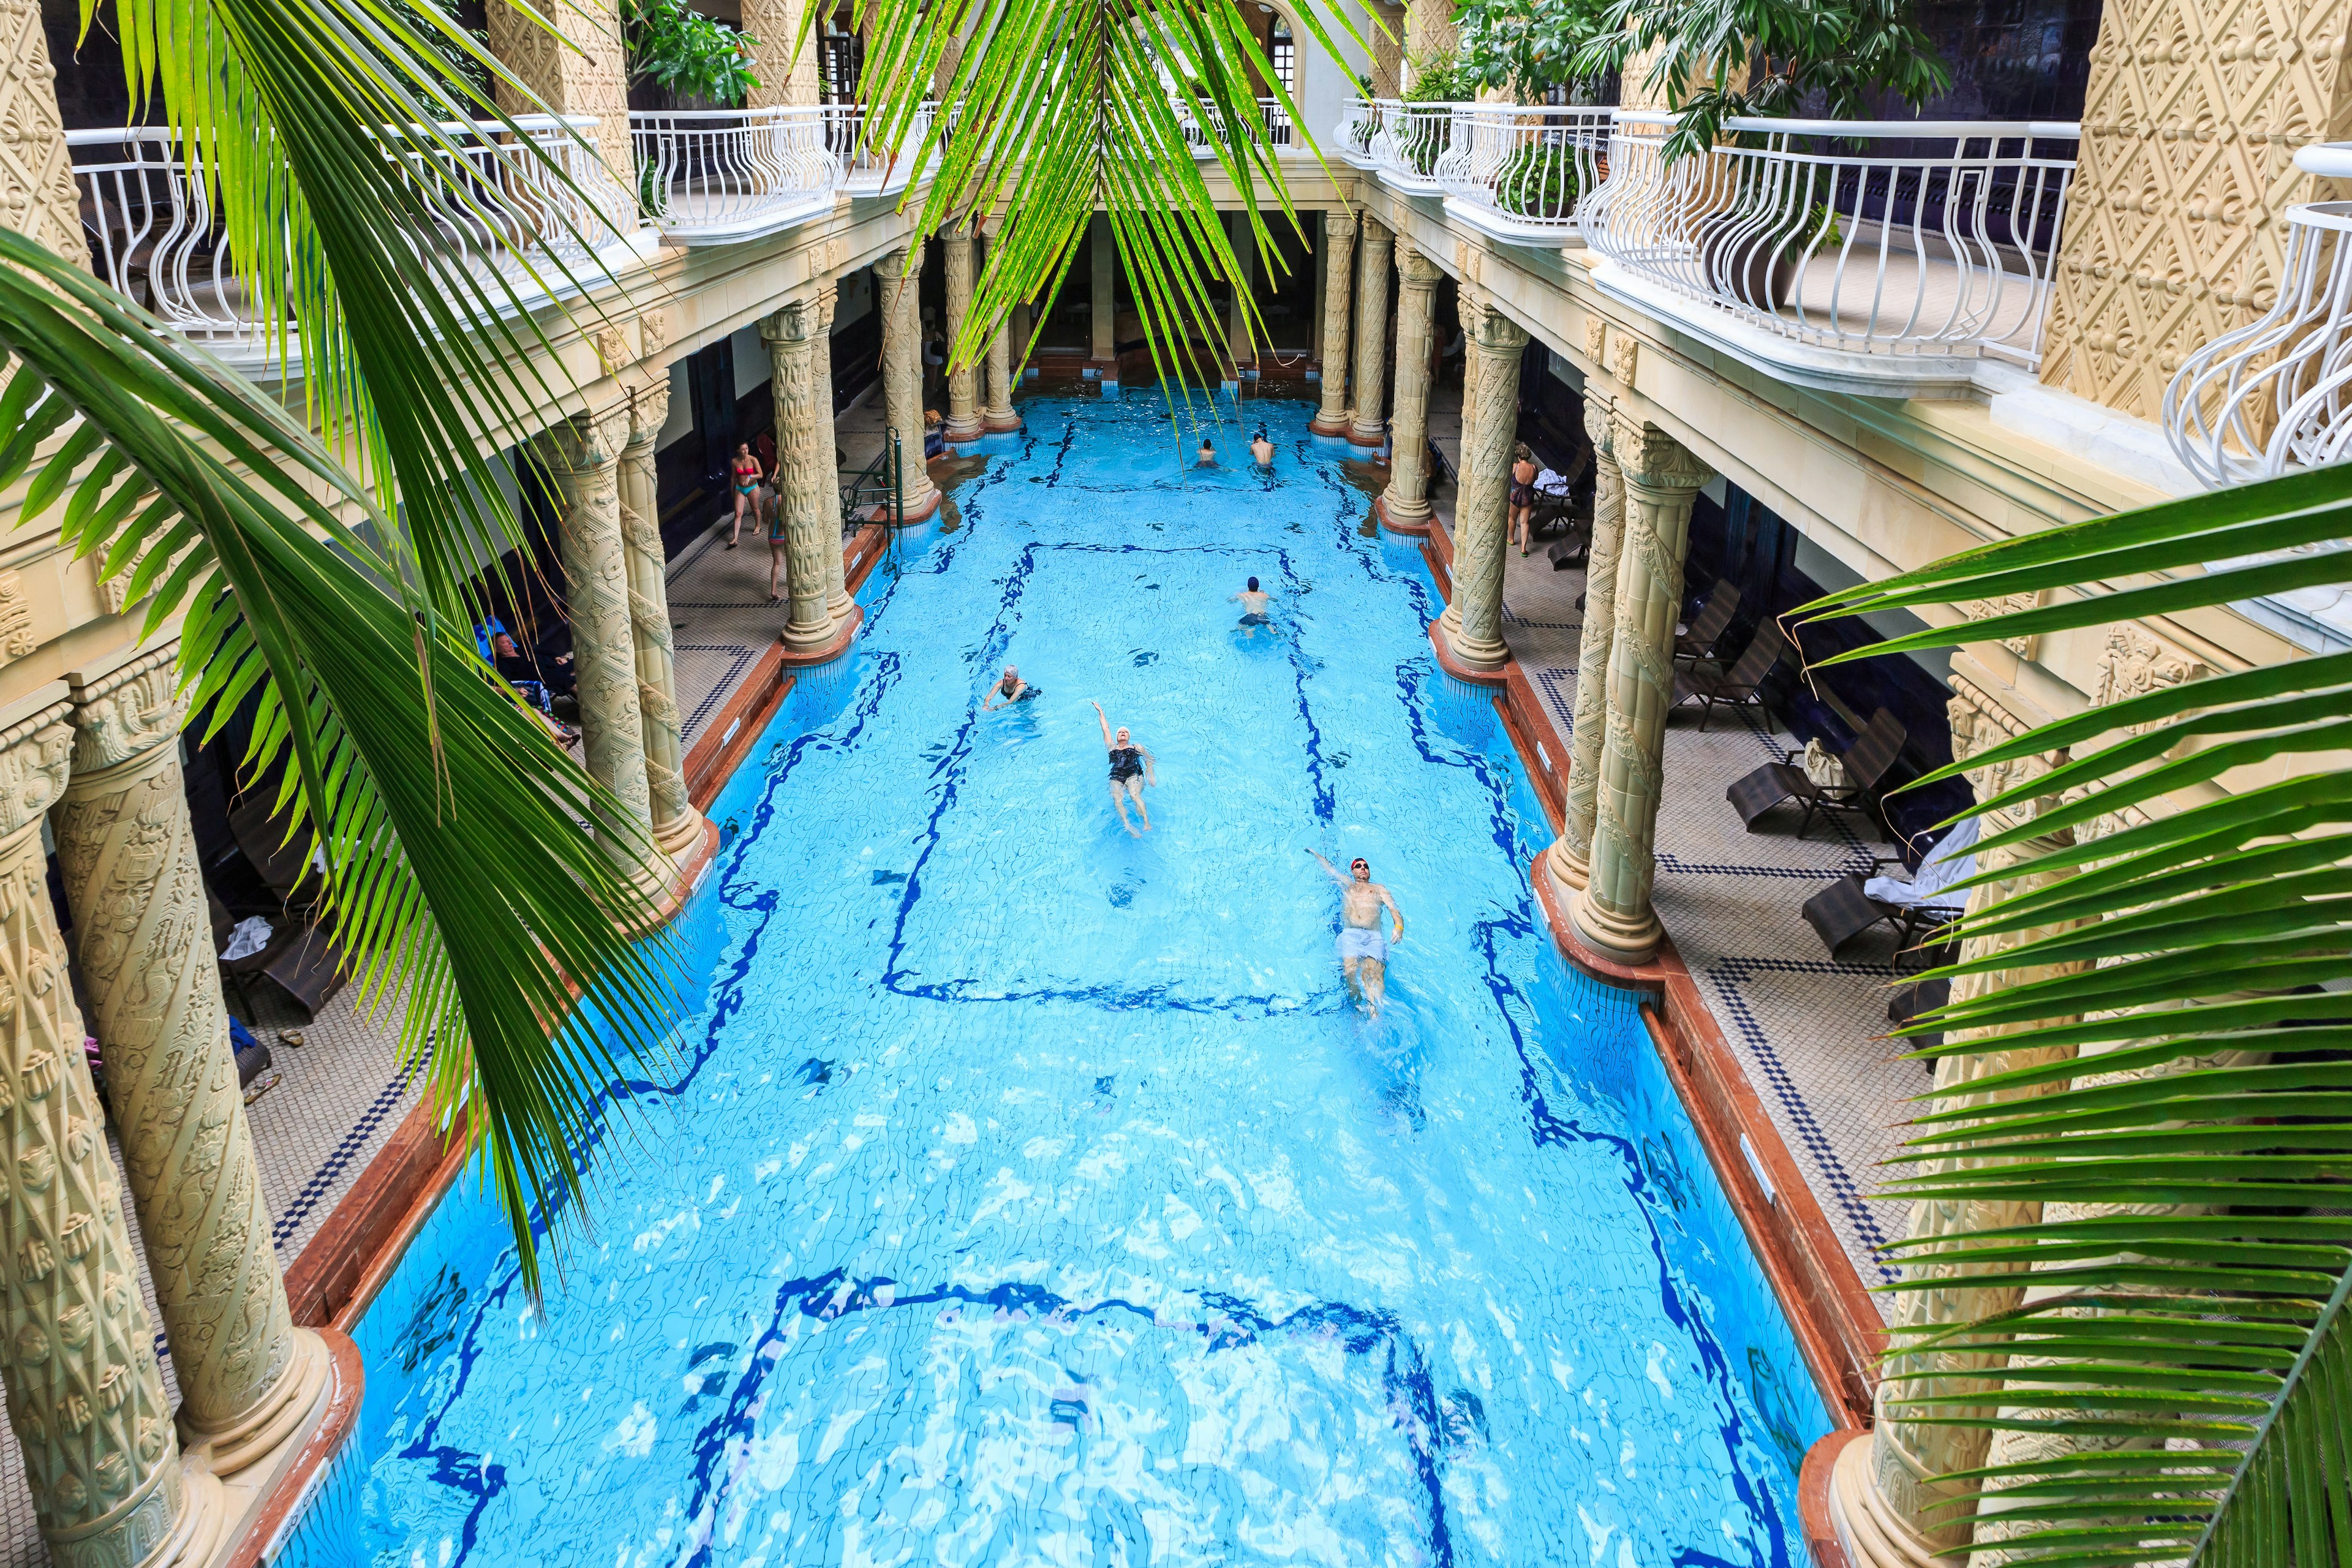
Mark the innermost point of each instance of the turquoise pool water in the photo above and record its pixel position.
(1025, 1192)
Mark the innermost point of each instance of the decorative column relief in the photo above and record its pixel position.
(838, 603)
(1661, 480)
(802, 491)
(85, 1396)
(37, 196)
(676, 824)
(897, 278)
(584, 455)
(128, 851)
(786, 78)
(1405, 503)
(1883, 1493)
(1370, 428)
(963, 383)
(571, 56)
(1237, 329)
(996, 413)
(1473, 625)
(1571, 853)
(2190, 121)
(1339, 253)
(1102, 296)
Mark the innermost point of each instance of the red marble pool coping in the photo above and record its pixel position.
(261, 1541)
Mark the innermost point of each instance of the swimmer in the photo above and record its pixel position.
(1009, 688)
(1255, 605)
(1131, 767)
(1363, 952)
(1208, 458)
(1263, 451)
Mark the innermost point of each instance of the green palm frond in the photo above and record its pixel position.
(1050, 110)
(2179, 1115)
(461, 868)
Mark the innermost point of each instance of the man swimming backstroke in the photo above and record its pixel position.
(1363, 952)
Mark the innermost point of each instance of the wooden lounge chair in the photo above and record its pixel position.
(1707, 627)
(1736, 687)
(1867, 762)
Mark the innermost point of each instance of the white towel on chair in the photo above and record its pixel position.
(1946, 863)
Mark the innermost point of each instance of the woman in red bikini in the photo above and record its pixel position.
(748, 478)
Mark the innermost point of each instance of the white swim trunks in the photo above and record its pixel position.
(1357, 942)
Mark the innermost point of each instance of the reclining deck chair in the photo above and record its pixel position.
(1706, 627)
(1867, 762)
(1736, 687)
(1913, 907)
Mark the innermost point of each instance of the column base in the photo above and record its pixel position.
(919, 508)
(203, 1533)
(836, 643)
(1367, 436)
(260, 1496)
(1867, 1529)
(677, 838)
(1815, 1510)
(970, 429)
(261, 1431)
(1335, 426)
(689, 864)
(1569, 870)
(1001, 422)
(1630, 943)
(1481, 667)
(1399, 519)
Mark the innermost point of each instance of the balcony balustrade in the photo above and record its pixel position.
(1521, 172)
(2276, 394)
(152, 233)
(1358, 129)
(1892, 240)
(867, 168)
(711, 176)
(1198, 133)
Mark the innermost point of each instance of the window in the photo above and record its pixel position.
(1281, 55)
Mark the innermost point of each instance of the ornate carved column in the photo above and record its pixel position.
(247, 1376)
(1405, 503)
(964, 422)
(786, 77)
(1370, 425)
(676, 824)
(1473, 623)
(1881, 1493)
(1102, 295)
(571, 54)
(1571, 853)
(802, 491)
(1237, 331)
(1465, 436)
(996, 413)
(897, 280)
(838, 602)
(1662, 479)
(1339, 252)
(85, 1396)
(584, 455)
(37, 196)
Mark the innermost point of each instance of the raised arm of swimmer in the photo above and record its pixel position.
(1329, 869)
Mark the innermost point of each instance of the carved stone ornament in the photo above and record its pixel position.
(17, 638)
(2026, 648)
(648, 412)
(2135, 664)
(1650, 457)
(1625, 359)
(1596, 337)
(612, 341)
(128, 710)
(653, 333)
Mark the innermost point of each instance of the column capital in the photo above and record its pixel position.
(1338, 222)
(129, 710)
(1498, 334)
(793, 321)
(1415, 269)
(1652, 458)
(1600, 421)
(35, 758)
(587, 441)
(1371, 231)
(648, 412)
(828, 297)
(907, 261)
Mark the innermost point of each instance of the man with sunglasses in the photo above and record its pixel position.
(1363, 950)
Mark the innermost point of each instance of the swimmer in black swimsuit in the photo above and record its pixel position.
(1131, 767)
(1255, 605)
(1009, 690)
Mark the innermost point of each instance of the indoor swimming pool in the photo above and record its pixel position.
(1027, 1192)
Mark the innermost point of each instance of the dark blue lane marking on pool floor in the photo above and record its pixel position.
(464, 1472)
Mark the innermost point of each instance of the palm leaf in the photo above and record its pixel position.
(2180, 1117)
(1102, 101)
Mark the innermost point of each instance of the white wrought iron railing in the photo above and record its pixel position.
(1524, 168)
(1202, 134)
(2276, 394)
(1357, 130)
(152, 233)
(869, 168)
(728, 173)
(1875, 237)
(1411, 141)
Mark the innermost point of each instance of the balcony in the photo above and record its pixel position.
(1879, 258)
(867, 169)
(153, 236)
(1514, 172)
(1200, 134)
(2276, 394)
(711, 176)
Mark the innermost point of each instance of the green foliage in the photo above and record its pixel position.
(1441, 80)
(2171, 1102)
(1537, 181)
(320, 553)
(1849, 51)
(1527, 48)
(682, 51)
(1081, 88)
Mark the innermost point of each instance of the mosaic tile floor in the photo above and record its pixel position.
(1806, 1028)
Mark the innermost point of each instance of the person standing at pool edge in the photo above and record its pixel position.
(1363, 952)
(1131, 767)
